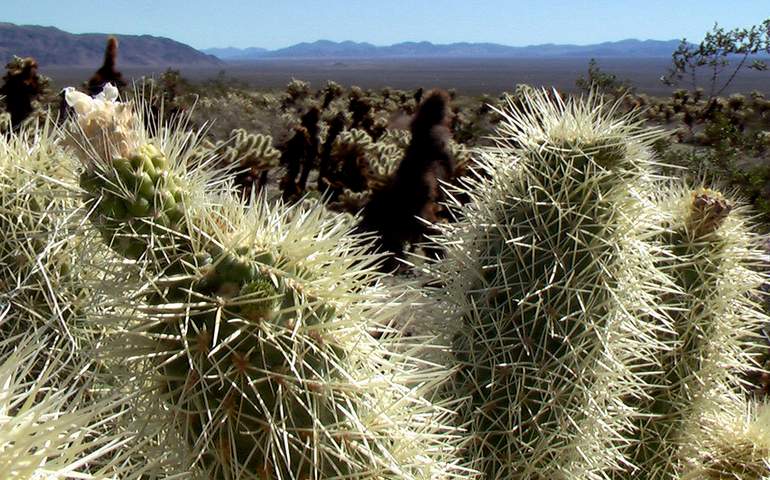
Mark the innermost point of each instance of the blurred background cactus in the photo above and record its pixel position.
(22, 86)
(249, 156)
(107, 73)
(401, 211)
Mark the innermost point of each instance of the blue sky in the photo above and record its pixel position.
(279, 23)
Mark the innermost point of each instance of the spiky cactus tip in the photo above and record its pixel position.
(549, 270)
(139, 196)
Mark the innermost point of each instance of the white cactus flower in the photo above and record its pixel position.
(106, 127)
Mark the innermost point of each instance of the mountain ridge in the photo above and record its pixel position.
(414, 49)
(51, 46)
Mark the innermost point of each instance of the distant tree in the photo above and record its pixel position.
(601, 81)
(720, 52)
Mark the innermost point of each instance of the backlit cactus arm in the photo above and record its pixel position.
(549, 269)
(715, 323)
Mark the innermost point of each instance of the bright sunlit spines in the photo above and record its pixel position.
(550, 268)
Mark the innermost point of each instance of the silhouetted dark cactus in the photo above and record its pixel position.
(331, 91)
(418, 95)
(107, 73)
(414, 191)
(310, 123)
(21, 87)
(301, 154)
(336, 126)
(361, 110)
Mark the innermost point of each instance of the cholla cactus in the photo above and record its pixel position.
(256, 326)
(21, 88)
(106, 74)
(249, 155)
(351, 139)
(383, 160)
(51, 273)
(399, 138)
(349, 201)
(712, 343)
(553, 278)
(42, 263)
(331, 91)
(254, 151)
(296, 91)
(349, 161)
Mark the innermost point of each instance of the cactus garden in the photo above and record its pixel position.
(210, 281)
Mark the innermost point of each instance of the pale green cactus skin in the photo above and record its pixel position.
(551, 273)
(142, 195)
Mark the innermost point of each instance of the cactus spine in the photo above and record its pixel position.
(553, 278)
(733, 443)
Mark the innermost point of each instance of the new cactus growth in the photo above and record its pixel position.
(256, 327)
(550, 270)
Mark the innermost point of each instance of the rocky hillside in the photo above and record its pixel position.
(51, 46)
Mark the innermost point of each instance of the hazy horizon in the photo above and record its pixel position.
(436, 43)
(245, 24)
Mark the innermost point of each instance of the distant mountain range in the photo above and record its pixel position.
(51, 46)
(327, 49)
